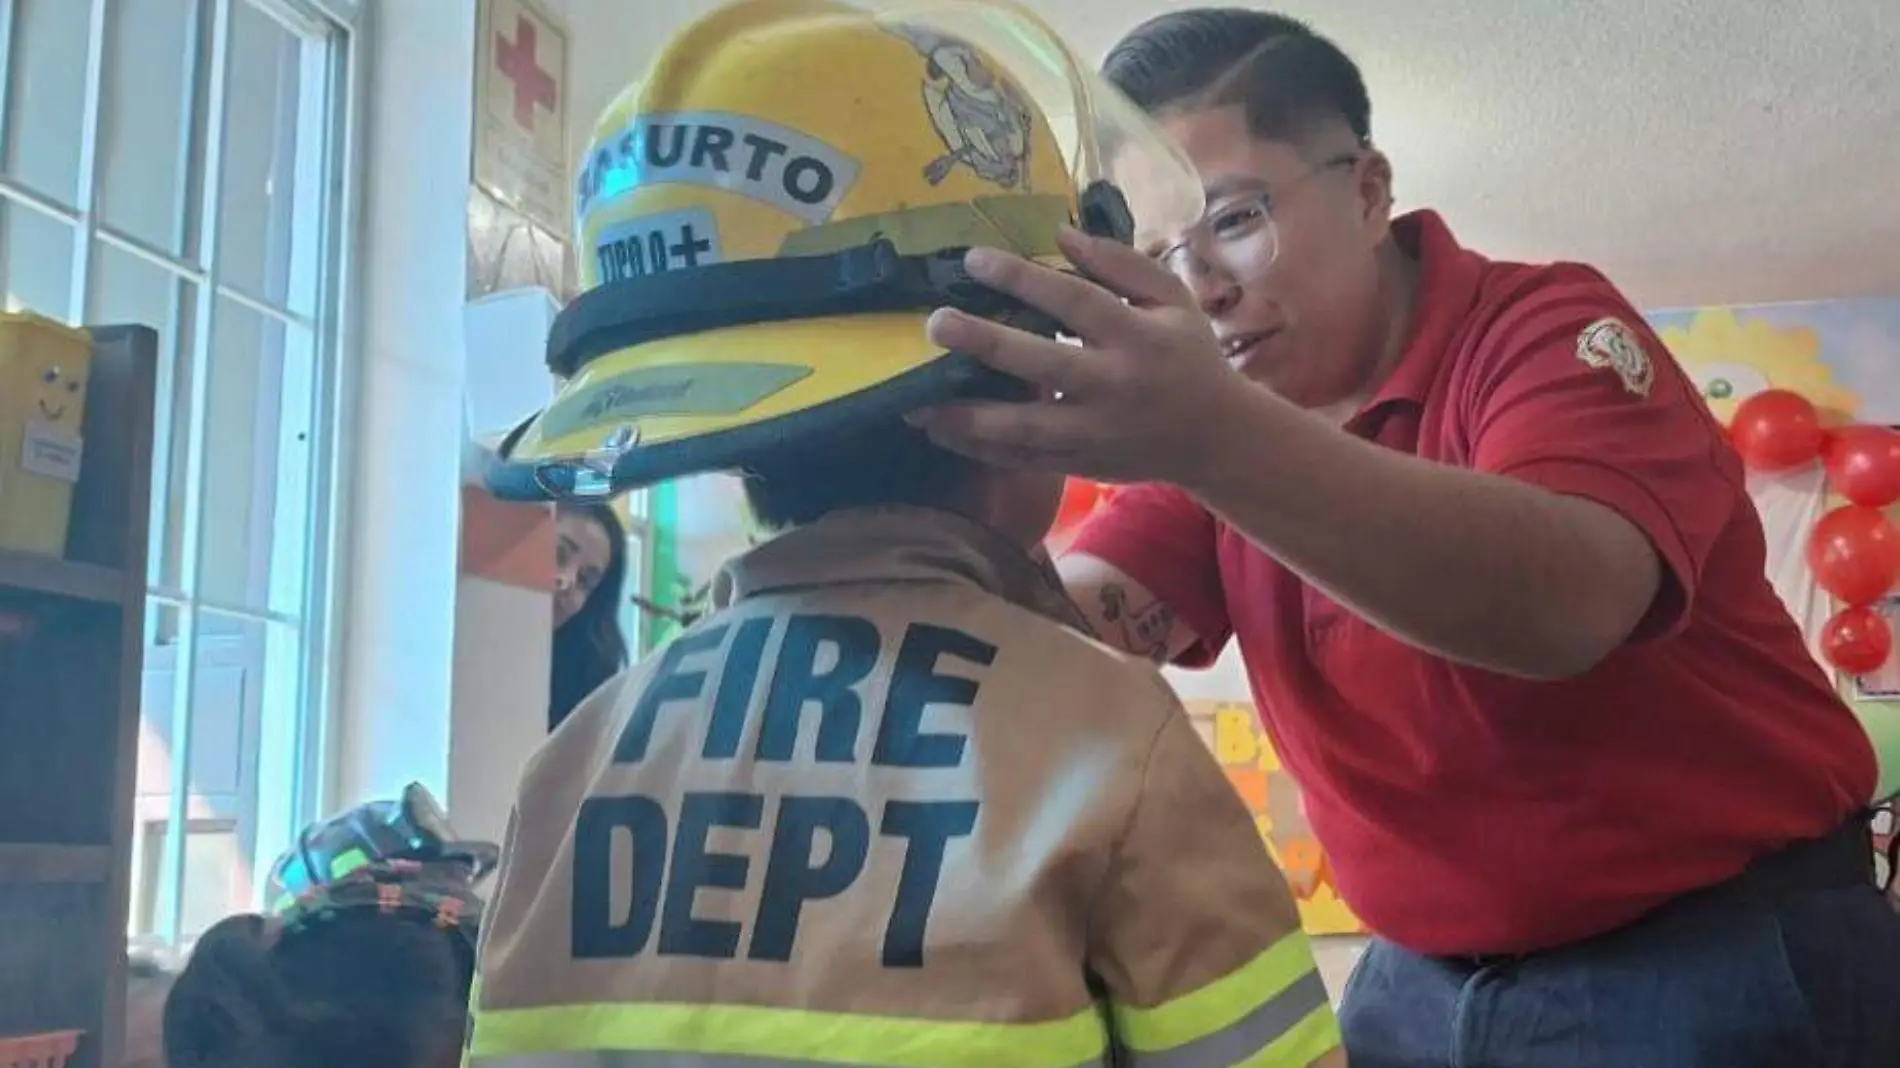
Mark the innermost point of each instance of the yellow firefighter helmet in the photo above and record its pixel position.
(766, 220)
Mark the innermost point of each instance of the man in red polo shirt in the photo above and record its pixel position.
(1496, 580)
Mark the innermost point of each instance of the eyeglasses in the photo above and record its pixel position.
(1237, 236)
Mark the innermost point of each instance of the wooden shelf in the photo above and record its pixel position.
(54, 863)
(61, 578)
(69, 724)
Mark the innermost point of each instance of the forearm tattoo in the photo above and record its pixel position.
(1144, 628)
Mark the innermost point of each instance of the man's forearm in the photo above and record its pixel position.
(1477, 568)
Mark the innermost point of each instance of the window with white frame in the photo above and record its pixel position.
(177, 163)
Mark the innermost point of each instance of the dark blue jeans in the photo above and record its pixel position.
(1747, 978)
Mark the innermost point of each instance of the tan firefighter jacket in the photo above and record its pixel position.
(887, 806)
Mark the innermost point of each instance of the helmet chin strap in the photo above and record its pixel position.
(1104, 213)
(865, 280)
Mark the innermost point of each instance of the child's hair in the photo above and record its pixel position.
(360, 987)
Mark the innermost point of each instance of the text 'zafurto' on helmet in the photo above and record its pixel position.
(765, 221)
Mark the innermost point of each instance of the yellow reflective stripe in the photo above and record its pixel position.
(1261, 1029)
(1221, 1003)
(1302, 1044)
(665, 1060)
(787, 1034)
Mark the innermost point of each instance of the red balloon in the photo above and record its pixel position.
(1854, 553)
(1863, 464)
(1775, 430)
(1079, 497)
(1857, 640)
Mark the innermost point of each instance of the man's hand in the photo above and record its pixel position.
(1132, 404)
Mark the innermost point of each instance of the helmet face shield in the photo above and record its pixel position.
(767, 218)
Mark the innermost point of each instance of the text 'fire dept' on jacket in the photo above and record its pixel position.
(887, 807)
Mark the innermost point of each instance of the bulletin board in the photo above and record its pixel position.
(1233, 732)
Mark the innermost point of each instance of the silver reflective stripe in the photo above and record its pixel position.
(1247, 1036)
(638, 1059)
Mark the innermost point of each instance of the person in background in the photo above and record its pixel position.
(590, 559)
(1498, 585)
(364, 958)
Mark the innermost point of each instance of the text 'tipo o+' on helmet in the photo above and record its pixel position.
(766, 220)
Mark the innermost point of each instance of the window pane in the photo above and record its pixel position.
(217, 876)
(46, 98)
(152, 781)
(36, 260)
(244, 668)
(232, 691)
(256, 231)
(128, 289)
(145, 129)
(257, 428)
(217, 720)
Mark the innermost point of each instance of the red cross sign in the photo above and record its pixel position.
(516, 61)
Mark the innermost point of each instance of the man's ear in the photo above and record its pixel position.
(1375, 192)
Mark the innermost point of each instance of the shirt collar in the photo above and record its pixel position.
(898, 545)
(1448, 280)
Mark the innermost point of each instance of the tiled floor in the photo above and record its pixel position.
(1336, 956)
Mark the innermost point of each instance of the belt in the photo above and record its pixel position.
(1839, 860)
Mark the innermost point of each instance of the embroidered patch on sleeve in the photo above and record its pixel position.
(1611, 343)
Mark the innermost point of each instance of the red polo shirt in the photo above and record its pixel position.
(1465, 812)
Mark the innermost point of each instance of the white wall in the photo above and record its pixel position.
(396, 625)
(504, 633)
(395, 720)
(609, 45)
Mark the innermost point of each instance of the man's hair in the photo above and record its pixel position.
(1288, 78)
(880, 464)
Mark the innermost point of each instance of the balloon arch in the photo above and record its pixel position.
(1854, 551)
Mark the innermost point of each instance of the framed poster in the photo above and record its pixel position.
(520, 146)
